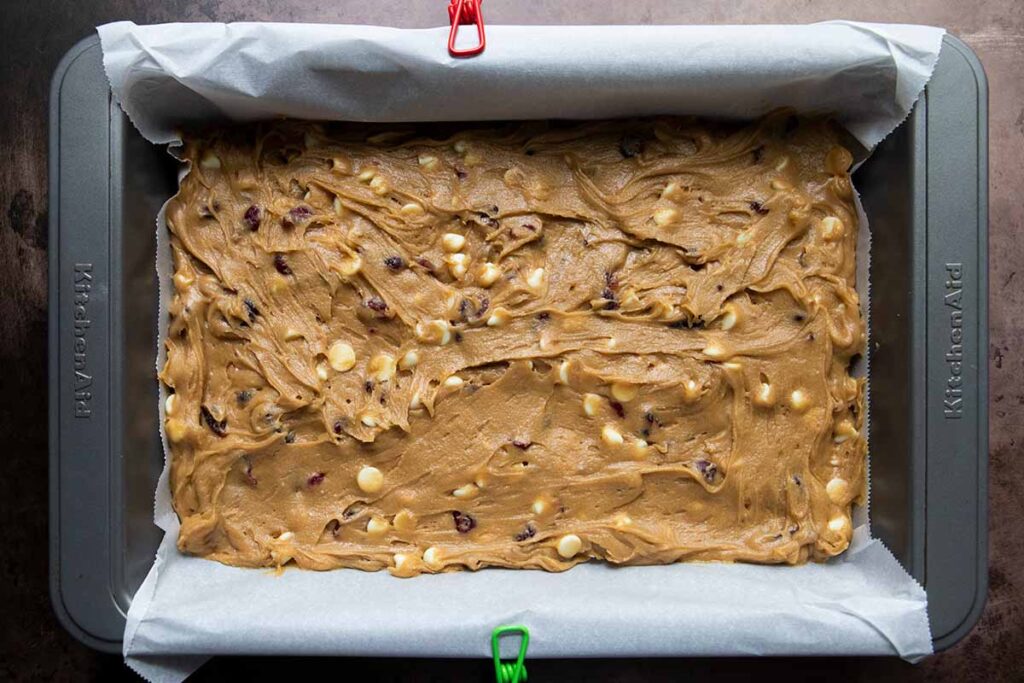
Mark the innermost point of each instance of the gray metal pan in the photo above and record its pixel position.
(925, 190)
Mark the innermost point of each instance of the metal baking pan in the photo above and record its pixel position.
(925, 190)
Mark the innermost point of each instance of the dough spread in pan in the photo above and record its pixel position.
(525, 345)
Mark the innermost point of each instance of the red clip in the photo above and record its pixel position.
(466, 12)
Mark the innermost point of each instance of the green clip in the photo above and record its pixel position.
(507, 672)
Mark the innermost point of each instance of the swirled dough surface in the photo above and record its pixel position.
(527, 346)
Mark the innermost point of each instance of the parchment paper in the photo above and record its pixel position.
(189, 608)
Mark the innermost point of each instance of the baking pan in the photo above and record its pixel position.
(925, 190)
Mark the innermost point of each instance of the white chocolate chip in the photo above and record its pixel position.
(563, 372)
(831, 228)
(291, 334)
(434, 332)
(369, 420)
(844, 430)
(691, 390)
(458, 264)
(467, 491)
(432, 557)
(370, 479)
(380, 185)
(176, 430)
(743, 237)
(338, 207)
(765, 395)
(731, 317)
(452, 242)
(535, 280)
(414, 402)
(412, 210)
(624, 392)
(837, 490)
(673, 192)
(321, 371)
(622, 519)
(665, 216)
(453, 382)
(169, 404)
(341, 166)
(367, 175)
(612, 342)
(381, 367)
(611, 436)
(539, 506)
(838, 524)
(351, 266)
(591, 404)
(341, 356)
(429, 162)
(286, 536)
(713, 351)
(210, 161)
(410, 360)
(799, 401)
(376, 526)
(401, 559)
(499, 317)
(182, 281)
(461, 147)
(489, 274)
(569, 545)
(405, 521)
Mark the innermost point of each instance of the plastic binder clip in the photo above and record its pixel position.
(508, 672)
(466, 12)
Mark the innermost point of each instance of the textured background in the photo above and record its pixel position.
(34, 35)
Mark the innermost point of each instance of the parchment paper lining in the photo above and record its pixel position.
(861, 603)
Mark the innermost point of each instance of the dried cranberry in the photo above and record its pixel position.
(375, 303)
(251, 309)
(282, 265)
(461, 172)
(296, 216)
(543, 316)
(707, 469)
(630, 145)
(338, 427)
(394, 262)
(758, 154)
(243, 396)
(617, 407)
(458, 336)
(253, 217)
(611, 281)
(482, 307)
(463, 523)
(797, 480)
(520, 444)
(216, 426)
(486, 220)
(368, 386)
(758, 208)
(315, 479)
(289, 437)
(649, 417)
(529, 531)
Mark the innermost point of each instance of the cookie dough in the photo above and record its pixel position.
(524, 346)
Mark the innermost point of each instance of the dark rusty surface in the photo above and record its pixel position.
(34, 35)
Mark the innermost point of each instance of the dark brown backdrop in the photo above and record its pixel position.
(35, 33)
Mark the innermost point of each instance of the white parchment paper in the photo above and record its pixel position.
(188, 608)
